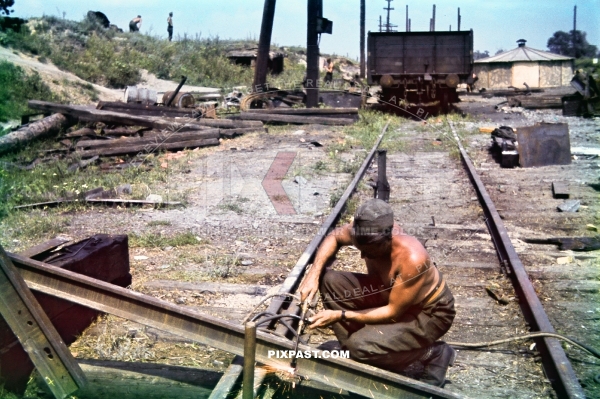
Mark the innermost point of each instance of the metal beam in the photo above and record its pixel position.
(314, 10)
(557, 367)
(35, 332)
(341, 373)
(362, 39)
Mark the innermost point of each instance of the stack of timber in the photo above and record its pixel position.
(322, 116)
(162, 128)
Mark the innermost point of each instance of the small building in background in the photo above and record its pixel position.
(522, 65)
(248, 58)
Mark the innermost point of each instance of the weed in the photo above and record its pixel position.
(158, 240)
(224, 266)
(159, 223)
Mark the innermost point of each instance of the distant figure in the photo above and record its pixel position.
(471, 82)
(135, 24)
(329, 69)
(170, 26)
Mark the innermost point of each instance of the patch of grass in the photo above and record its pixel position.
(32, 225)
(158, 240)
(224, 266)
(320, 167)
(17, 87)
(159, 223)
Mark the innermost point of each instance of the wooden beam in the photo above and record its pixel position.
(116, 118)
(147, 148)
(297, 119)
(158, 139)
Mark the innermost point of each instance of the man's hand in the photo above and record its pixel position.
(308, 289)
(325, 318)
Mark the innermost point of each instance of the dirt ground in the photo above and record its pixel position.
(246, 249)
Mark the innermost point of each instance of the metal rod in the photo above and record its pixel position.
(341, 372)
(382, 190)
(183, 79)
(264, 45)
(557, 367)
(249, 360)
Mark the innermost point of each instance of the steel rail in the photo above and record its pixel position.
(291, 282)
(556, 365)
(341, 373)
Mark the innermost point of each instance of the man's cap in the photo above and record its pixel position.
(373, 217)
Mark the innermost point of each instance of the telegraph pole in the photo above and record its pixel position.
(264, 45)
(362, 39)
(459, 19)
(389, 27)
(573, 39)
(314, 11)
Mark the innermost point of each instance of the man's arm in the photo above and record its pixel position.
(329, 247)
(405, 289)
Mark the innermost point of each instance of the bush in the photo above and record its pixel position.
(16, 88)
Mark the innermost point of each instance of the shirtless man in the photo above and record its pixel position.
(393, 315)
(135, 24)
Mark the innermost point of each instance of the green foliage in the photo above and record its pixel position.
(16, 87)
(5, 6)
(152, 240)
(588, 65)
(572, 44)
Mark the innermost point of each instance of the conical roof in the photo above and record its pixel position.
(523, 53)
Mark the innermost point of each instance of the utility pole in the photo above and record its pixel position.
(433, 20)
(362, 39)
(389, 27)
(573, 39)
(314, 11)
(264, 45)
(459, 19)
(407, 18)
(380, 24)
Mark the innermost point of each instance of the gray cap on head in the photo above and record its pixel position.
(373, 217)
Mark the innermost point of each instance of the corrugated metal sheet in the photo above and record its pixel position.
(524, 53)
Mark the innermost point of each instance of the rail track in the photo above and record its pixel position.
(434, 199)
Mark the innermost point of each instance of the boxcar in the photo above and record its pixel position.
(420, 69)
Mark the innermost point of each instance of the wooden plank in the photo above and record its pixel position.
(43, 247)
(298, 119)
(127, 380)
(111, 117)
(306, 111)
(35, 332)
(148, 110)
(147, 148)
(165, 137)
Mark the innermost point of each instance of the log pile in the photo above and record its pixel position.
(129, 128)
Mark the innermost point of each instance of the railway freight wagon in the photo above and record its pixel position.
(419, 69)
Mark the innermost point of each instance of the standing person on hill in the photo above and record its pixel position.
(329, 71)
(135, 24)
(170, 26)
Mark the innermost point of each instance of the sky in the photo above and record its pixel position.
(497, 25)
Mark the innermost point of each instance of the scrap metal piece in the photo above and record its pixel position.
(569, 206)
(544, 144)
(35, 332)
(340, 372)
